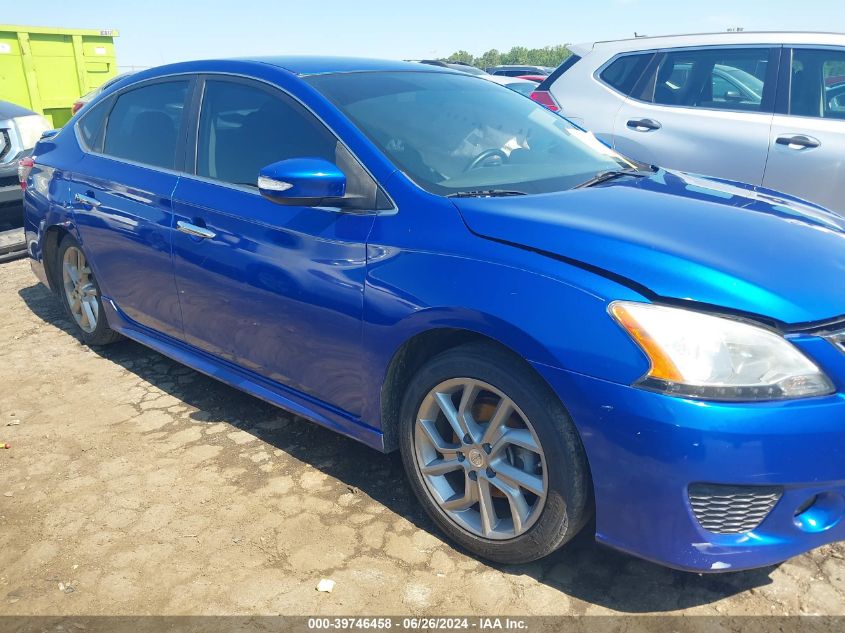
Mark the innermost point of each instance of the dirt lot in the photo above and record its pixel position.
(135, 485)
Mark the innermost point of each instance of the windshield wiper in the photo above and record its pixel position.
(490, 193)
(604, 176)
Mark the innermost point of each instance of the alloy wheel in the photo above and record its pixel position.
(480, 458)
(80, 290)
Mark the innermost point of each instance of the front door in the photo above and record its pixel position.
(275, 289)
(808, 138)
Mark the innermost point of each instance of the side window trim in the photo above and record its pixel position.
(192, 134)
(784, 81)
(770, 85)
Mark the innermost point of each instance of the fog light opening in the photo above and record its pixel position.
(820, 512)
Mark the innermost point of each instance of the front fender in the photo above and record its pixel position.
(551, 320)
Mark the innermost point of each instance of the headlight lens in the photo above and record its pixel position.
(698, 355)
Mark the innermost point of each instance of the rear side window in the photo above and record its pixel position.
(144, 124)
(817, 83)
(623, 73)
(91, 124)
(723, 79)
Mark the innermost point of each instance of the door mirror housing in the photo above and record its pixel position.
(308, 182)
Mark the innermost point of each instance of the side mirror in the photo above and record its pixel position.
(307, 182)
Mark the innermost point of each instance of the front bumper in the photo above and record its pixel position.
(645, 451)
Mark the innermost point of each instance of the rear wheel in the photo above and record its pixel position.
(80, 294)
(493, 456)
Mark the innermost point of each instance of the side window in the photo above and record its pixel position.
(144, 124)
(724, 79)
(243, 128)
(623, 73)
(817, 86)
(91, 124)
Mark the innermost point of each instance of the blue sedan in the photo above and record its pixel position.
(425, 261)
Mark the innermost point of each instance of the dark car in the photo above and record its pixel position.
(462, 66)
(514, 70)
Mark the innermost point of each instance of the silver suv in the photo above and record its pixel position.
(763, 108)
(20, 129)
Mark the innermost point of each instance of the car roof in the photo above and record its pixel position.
(704, 39)
(303, 65)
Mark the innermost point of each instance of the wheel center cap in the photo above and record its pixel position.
(476, 458)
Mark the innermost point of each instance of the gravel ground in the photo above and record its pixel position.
(137, 486)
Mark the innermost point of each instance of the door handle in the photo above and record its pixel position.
(86, 201)
(644, 125)
(193, 229)
(798, 142)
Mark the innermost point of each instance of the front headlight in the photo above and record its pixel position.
(698, 355)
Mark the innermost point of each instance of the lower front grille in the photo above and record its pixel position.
(732, 509)
(8, 181)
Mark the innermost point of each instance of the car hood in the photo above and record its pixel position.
(686, 237)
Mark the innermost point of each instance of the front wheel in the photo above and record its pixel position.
(80, 294)
(493, 456)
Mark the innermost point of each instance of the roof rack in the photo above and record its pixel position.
(657, 37)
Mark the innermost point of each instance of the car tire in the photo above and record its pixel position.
(80, 294)
(491, 376)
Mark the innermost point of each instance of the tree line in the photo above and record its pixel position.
(546, 56)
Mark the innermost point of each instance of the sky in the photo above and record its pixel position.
(154, 32)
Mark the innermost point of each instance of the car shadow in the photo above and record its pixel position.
(583, 569)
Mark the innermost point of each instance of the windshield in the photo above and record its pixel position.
(455, 133)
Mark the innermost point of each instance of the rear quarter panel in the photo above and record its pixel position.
(45, 202)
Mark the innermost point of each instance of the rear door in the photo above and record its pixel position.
(704, 110)
(275, 289)
(121, 197)
(808, 133)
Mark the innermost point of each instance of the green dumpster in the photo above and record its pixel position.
(47, 69)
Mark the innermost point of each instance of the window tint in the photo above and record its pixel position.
(726, 79)
(244, 128)
(817, 88)
(623, 73)
(90, 126)
(144, 124)
(451, 133)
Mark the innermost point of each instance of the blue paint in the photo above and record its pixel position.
(306, 307)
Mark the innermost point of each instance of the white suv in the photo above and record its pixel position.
(762, 108)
